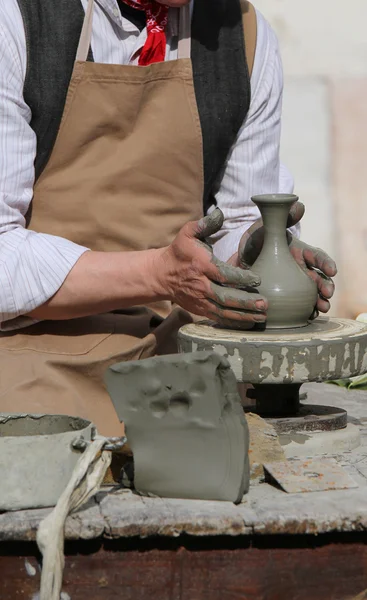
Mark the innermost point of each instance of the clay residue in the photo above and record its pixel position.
(264, 445)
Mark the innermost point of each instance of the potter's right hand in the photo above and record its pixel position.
(203, 285)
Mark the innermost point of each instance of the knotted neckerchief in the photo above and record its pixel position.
(154, 49)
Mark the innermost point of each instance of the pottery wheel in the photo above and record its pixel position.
(328, 348)
(278, 362)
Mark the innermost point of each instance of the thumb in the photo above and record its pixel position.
(208, 225)
(295, 214)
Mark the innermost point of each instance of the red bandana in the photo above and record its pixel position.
(157, 17)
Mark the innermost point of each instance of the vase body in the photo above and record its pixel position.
(291, 293)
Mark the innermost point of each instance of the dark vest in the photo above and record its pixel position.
(221, 77)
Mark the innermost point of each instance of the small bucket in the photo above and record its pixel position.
(38, 454)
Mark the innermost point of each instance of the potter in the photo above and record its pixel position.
(134, 134)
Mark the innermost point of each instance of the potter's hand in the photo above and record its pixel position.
(319, 266)
(199, 282)
(306, 256)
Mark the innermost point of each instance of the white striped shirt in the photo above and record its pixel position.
(33, 266)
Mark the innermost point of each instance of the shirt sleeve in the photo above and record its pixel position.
(33, 266)
(254, 166)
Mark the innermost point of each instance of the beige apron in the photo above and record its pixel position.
(125, 174)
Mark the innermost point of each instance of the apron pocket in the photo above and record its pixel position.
(74, 337)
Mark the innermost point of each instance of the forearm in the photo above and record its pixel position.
(105, 281)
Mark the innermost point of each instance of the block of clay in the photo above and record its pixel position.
(185, 425)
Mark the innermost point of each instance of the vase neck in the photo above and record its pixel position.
(275, 218)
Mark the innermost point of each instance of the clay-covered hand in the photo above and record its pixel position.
(319, 266)
(196, 280)
(314, 261)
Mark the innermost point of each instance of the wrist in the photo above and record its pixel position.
(158, 273)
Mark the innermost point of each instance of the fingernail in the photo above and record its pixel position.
(260, 304)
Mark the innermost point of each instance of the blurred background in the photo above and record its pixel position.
(324, 144)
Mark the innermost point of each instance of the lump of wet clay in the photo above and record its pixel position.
(185, 425)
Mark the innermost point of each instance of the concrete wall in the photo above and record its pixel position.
(324, 49)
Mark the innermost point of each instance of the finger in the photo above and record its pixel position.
(325, 286)
(236, 276)
(237, 299)
(315, 257)
(323, 305)
(234, 318)
(251, 245)
(295, 214)
(208, 225)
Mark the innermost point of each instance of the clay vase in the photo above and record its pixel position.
(291, 294)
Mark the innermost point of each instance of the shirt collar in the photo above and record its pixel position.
(112, 9)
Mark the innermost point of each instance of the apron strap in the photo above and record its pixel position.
(184, 42)
(86, 34)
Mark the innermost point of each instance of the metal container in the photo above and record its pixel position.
(37, 456)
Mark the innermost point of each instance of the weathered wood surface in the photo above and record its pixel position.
(265, 511)
(207, 569)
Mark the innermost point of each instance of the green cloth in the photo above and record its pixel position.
(354, 383)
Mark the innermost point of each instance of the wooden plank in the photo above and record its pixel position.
(22, 525)
(299, 568)
(266, 510)
(129, 515)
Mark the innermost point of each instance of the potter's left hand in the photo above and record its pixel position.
(318, 265)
